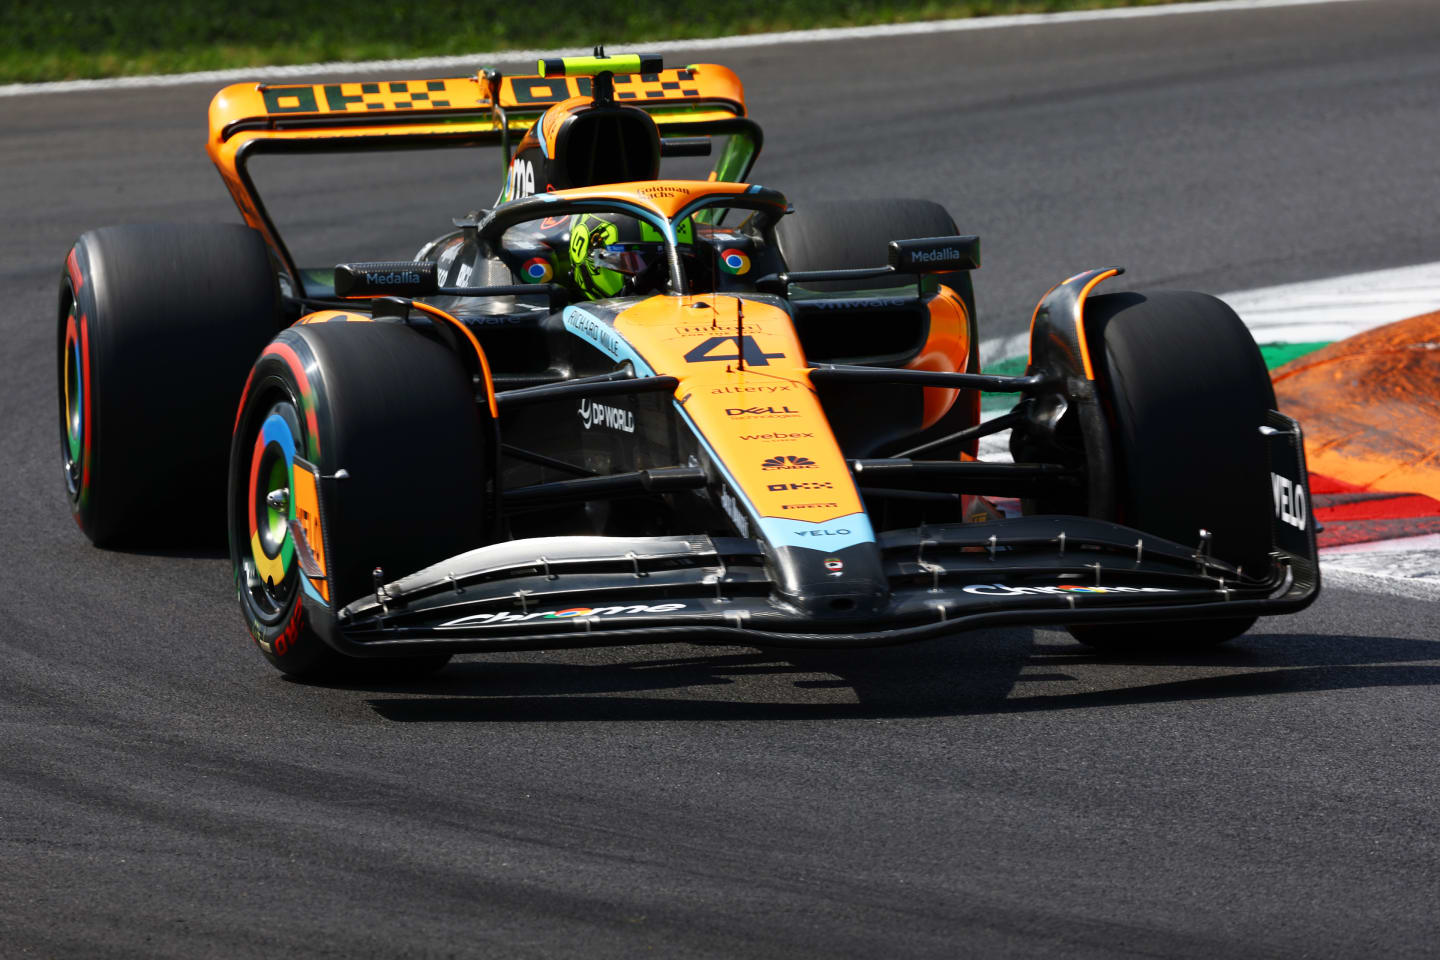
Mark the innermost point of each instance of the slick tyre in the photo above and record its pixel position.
(158, 325)
(851, 234)
(388, 421)
(1185, 391)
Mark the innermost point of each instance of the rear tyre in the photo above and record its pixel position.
(1185, 391)
(158, 325)
(849, 234)
(395, 412)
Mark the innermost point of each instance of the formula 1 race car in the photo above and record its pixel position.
(617, 409)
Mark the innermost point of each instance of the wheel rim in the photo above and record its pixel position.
(74, 384)
(268, 566)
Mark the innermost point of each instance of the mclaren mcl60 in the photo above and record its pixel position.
(615, 408)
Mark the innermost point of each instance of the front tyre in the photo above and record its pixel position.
(1185, 391)
(384, 421)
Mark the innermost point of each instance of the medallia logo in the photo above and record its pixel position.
(391, 278)
(788, 463)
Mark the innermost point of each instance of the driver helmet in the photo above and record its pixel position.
(611, 253)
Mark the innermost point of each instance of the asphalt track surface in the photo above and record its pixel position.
(164, 793)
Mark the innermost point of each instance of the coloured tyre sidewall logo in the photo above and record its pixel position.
(272, 465)
(76, 426)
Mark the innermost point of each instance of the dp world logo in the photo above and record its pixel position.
(789, 463)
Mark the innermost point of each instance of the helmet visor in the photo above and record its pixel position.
(631, 259)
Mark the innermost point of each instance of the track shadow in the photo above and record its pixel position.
(205, 549)
(973, 675)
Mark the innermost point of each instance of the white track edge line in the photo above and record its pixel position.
(829, 34)
(1409, 588)
(1287, 312)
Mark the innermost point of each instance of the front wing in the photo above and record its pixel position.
(597, 591)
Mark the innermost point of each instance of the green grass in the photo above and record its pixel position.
(71, 39)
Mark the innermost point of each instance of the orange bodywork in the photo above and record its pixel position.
(1079, 319)
(663, 197)
(753, 416)
(743, 377)
(306, 495)
(946, 350)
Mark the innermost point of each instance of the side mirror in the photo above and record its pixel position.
(685, 147)
(935, 254)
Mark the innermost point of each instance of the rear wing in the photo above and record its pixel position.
(488, 109)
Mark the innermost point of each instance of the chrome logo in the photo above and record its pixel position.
(734, 261)
(537, 270)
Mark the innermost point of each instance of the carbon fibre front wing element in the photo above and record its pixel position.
(595, 591)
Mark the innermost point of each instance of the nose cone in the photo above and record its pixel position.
(832, 585)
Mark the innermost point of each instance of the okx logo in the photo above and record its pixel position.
(815, 485)
(789, 463)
